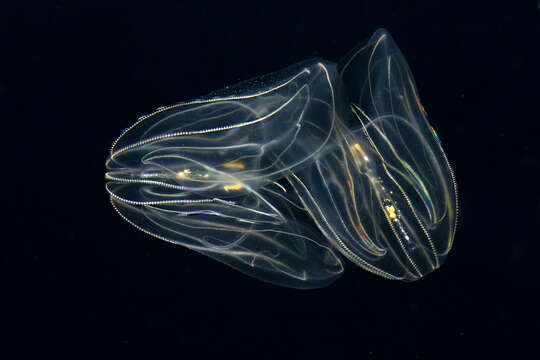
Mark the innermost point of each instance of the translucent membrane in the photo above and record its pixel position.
(282, 174)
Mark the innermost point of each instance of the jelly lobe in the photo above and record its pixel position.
(411, 180)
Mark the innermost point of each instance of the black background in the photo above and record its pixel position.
(76, 74)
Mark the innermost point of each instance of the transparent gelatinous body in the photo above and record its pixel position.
(279, 181)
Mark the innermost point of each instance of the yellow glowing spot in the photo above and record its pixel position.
(187, 174)
(358, 148)
(233, 187)
(391, 210)
(235, 165)
(183, 175)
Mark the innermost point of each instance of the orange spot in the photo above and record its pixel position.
(359, 149)
(235, 165)
(233, 187)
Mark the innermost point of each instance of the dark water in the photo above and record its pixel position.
(75, 75)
